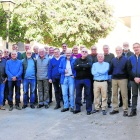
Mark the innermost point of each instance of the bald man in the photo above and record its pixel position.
(119, 72)
(6, 55)
(82, 66)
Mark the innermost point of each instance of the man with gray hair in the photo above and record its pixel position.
(42, 79)
(75, 52)
(15, 48)
(119, 72)
(100, 72)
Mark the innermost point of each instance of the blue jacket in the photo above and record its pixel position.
(14, 69)
(134, 67)
(62, 68)
(53, 68)
(119, 68)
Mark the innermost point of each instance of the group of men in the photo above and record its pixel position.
(99, 74)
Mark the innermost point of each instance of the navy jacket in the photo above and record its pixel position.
(62, 68)
(119, 68)
(2, 70)
(134, 67)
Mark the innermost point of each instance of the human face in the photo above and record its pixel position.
(100, 58)
(119, 52)
(6, 53)
(14, 55)
(27, 47)
(51, 51)
(106, 50)
(0, 55)
(75, 50)
(93, 50)
(15, 48)
(82, 47)
(68, 54)
(42, 53)
(56, 53)
(84, 53)
(28, 54)
(125, 46)
(136, 49)
(35, 50)
(46, 49)
(64, 47)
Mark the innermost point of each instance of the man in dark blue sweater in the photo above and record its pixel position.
(118, 70)
(14, 71)
(54, 75)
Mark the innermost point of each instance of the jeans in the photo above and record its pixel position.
(2, 86)
(26, 83)
(57, 88)
(11, 85)
(69, 83)
(43, 90)
(79, 85)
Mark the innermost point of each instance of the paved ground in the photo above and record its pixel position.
(50, 124)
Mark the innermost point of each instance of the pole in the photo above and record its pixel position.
(7, 35)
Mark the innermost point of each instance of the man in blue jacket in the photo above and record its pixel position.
(54, 75)
(67, 80)
(14, 71)
(118, 70)
(82, 66)
(134, 73)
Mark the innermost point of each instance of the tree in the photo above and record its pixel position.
(56, 21)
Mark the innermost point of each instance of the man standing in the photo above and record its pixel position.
(46, 49)
(27, 47)
(2, 79)
(82, 66)
(6, 91)
(64, 48)
(15, 48)
(42, 79)
(67, 80)
(100, 72)
(118, 70)
(75, 52)
(14, 71)
(127, 53)
(29, 77)
(54, 75)
(82, 47)
(108, 58)
(134, 74)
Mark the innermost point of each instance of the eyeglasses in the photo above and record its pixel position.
(6, 52)
(84, 51)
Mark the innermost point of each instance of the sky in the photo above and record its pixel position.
(125, 7)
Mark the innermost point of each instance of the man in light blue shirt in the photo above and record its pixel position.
(100, 72)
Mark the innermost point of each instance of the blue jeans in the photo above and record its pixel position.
(11, 85)
(69, 83)
(79, 85)
(2, 86)
(26, 83)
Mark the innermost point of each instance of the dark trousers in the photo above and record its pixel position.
(50, 92)
(109, 91)
(135, 88)
(11, 85)
(36, 96)
(57, 88)
(6, 92)
(92, 90)
(79, 85)
(129, 94)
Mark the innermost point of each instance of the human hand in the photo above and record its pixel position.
(50, 80)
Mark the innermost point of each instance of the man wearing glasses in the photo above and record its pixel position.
(82, 66)
(54, 76)
(64, 48)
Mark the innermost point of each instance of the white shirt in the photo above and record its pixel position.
(68, 67)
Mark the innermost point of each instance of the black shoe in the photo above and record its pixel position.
(39, 106)
(65, 109)
(72, 110)
(24, 106)
(104, 112)
(10, 108)
(133, 113)
(88, 112)
(18, 107)
(125, 113)
(94, 111)
(57, 106)
(76, 111)
(120, 105)
(129, 105)
(46, 106)
(114, 112)
(109, 106)
(32, 106)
